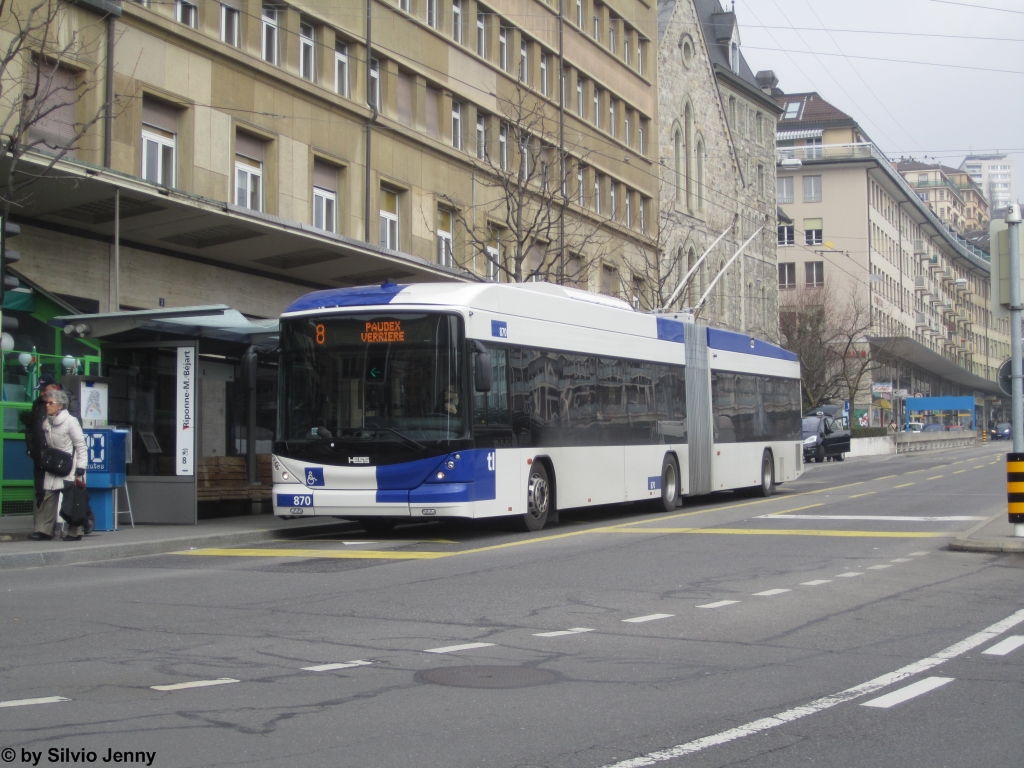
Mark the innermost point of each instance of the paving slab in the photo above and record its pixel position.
(992, 535)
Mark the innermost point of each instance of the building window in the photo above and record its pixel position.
(792, 110)
(815, 274)
(579, 97)
(493, 254)
(608, 280)
(503, 48)
(270, 32)
(503, 147)
(229, 25)
(812, 236)
(812, 189)
(611, 116)
(639, 55)
(787, 275)
(307, 52)
(641, 144)
(404, 5)
(613, 207)
(734, 58)
(432, 13)
(597, 192)
(524, 61)
(248, 183)
(325, 205)
(561, 91)
(611, 37)
(760, 128)
(700, 175)
(186, 13)
(374, 95)
(787, 234)
(579, 13)
(388, 219)
(813, 149)
(784, 189)
(581, 199)
(544, 73)
(524, 159)
(627, 41)
(597, 107)
(159, 139)
(481, 36)
(628, 135)
(457, 21)
(627, 199)
(760, 180)
(444, 238)
(643, 215)
(481, 136)
(456, 125)
(341, 69)
(597, 27)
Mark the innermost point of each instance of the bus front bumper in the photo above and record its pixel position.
(448, 500)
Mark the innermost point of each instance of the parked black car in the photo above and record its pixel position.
(824, 438)
(1002, 431)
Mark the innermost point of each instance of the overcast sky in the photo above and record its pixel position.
(907, 109)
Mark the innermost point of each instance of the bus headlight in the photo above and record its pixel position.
(285, 476)
(440, 475)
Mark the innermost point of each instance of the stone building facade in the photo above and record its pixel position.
(717, 164)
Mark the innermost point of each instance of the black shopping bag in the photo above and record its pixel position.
(74, 507)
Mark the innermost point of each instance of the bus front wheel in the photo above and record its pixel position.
(538, 499)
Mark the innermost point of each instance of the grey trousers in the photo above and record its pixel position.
(46, 516)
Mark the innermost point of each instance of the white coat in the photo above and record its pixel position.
(63, 432)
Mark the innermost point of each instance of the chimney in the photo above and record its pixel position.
(767, 81)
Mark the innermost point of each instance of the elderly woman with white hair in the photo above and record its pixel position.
(62, 432)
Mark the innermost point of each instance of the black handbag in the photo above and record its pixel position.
(57, 462)
(74, 508)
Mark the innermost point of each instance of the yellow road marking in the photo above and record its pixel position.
(915, 471)
(902, 486)
(936, 477)
(792, 532)
(885, 478)
(858, 495)
(959, 471)
(979, 466)
(797, 509)
(348, 554)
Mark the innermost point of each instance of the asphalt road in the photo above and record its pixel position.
(820, 627)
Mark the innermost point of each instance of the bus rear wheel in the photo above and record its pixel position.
(377, 526)
(670, 486)
(538, 499)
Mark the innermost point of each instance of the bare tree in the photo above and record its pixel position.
(830, 335)
(44, 78)
(525, 222)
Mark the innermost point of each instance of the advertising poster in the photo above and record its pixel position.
(184, 458)
(93, 399)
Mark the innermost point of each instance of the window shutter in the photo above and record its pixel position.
(325, 176)
(405, 100)
(432, 113)
(249, 146)
(812, 224)
(159, 115)
(52, 113)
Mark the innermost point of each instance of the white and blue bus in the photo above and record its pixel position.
(484, 400)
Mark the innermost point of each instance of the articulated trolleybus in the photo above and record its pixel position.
(484, 400)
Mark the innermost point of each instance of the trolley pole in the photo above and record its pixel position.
(1015, 461)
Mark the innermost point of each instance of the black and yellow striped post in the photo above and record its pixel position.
(1015, 487)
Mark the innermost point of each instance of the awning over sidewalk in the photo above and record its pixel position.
(217, 321)
(918, 354)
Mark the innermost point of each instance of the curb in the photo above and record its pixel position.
(71, 555)
(1005, 544)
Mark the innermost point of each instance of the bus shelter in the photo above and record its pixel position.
(960, 406)
(197, 388)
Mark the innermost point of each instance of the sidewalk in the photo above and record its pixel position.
(992, 535)
(153, 539)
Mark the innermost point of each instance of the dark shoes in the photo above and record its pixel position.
(72, 538)
(36, 536)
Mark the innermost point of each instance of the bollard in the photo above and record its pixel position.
(1015, 491)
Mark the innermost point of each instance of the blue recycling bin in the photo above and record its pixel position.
(105, 473)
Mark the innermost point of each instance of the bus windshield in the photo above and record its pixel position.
(371, 383)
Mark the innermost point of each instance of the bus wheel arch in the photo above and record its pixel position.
(671, 483)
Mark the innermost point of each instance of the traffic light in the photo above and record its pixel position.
(8, 257)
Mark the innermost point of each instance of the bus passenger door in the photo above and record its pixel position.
(492, 432)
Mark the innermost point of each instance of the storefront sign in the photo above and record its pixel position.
(185, 420)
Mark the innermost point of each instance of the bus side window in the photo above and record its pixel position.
(491, 408)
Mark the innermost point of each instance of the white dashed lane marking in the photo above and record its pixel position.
(1008, 645)
(878, 567)
(848, 575)
(900, 560)
(719, 604)
(771, 592)
(815, 583)
(345, 665)
(194, 684)
(30, 702)
(561, 632)
(907, 693)
(918, 554)
(652, 617)
(454, 648)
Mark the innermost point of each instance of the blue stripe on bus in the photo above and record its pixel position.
(730, 341)
(472, 479)
(671, 330)
(347, 297)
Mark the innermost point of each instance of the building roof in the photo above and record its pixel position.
(814, 111)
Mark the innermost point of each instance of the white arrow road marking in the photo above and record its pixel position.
(827, 702)
(194, 684)
(1008, 645)
(30, 702)
(909, 692)
(453, 648)
(346, 665)
(559, 633)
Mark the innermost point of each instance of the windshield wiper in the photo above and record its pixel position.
(406, 439)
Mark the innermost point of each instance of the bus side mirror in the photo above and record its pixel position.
(482, 369)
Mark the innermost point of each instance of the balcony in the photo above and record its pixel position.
(923, 321)
(788, 156)
(922, 284)
(919, 248)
